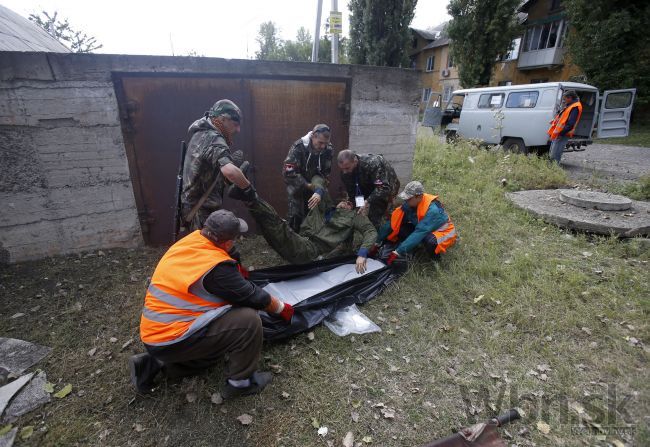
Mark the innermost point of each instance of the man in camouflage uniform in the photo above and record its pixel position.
(306, 170)
(324, 229)
(209, 163)
(370, 182)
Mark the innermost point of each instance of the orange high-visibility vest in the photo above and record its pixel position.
(177, 304)
(558, 123)
(445, 235)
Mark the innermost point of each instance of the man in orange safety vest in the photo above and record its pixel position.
(420, 221)
(564, 124)
(199, 308)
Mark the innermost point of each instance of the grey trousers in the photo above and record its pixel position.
(236, 336)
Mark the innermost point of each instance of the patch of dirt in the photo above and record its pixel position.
(87, 308)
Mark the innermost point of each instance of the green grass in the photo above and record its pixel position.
(464, 333)
(639, 136)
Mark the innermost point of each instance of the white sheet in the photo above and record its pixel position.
(299, 289)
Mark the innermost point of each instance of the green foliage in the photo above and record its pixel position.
(379, 31)
(77, 41)
(610, 43)
(480, 30)
(269, 42)
(272, 48)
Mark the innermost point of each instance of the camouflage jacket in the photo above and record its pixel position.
(328, 227)
(375, 177)
(301, 165)
(207, 152)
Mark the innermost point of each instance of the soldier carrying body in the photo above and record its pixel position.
(210, 164)
(306, 170)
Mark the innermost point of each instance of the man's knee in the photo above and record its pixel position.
(430, 244)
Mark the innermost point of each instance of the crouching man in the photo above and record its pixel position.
(421, 221)
(199, 308)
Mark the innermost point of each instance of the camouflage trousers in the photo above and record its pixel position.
(199, 218)
(298, 195)
(378, 210)
(290, 245)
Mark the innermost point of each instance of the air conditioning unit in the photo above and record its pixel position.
(445, 72)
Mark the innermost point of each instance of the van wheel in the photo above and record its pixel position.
(515, 145)
(450, 136)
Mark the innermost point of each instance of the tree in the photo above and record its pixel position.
(379, 31)
(300, 50)
(272, 48)
(77, 41)
(480, 30)
(270, 43)
(609, 42)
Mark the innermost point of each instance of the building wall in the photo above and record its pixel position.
(508, 71)
(66, 185)
(434, 79)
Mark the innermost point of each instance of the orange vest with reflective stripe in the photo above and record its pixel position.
(445, 235)
(176, 297)
(560, 120)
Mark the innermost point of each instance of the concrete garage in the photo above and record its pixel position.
(90, 143)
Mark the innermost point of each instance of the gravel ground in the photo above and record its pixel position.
(608, 161)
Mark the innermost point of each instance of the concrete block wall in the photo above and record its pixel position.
(65, 184)
(384, 115)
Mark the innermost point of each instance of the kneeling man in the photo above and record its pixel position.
(421, 221)
(199, 309)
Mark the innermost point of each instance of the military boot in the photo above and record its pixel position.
(144, 369)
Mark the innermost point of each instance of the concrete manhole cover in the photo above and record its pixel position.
(595, 200)
(546, 204)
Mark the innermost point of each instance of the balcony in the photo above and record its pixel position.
(547, 57)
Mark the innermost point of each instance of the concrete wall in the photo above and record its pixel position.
(65, 184)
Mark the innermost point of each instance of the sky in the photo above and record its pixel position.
(209, 28)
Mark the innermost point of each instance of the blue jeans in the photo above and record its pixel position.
(557, 147)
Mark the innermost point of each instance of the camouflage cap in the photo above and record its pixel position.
(226, 107)
(413, 188)
(223, 225)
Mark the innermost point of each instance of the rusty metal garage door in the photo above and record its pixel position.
(157, 110)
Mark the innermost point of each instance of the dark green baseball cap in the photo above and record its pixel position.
(226, 107)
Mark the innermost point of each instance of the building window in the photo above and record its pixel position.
(504, 83)
(414, 43)
(430, 63)
(522, 100)
(446, 95)
(540, 37)
(490, 100)
(513, 53)
(450, 60)
(426, 93)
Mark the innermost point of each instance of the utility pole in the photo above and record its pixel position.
(314, 48)
(335, 36)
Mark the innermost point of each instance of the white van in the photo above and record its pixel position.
(518, 116)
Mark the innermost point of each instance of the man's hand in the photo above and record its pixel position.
(280, 308)
(364, 209)
(287, 312)
(373, 250)
(344, 204)
(360, 266)
(314, 200)
(391, 257)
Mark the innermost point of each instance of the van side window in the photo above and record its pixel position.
(518, 100)
(490, 100)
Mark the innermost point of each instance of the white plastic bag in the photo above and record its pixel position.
(350, 320)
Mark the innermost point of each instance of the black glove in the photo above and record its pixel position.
(246, 195)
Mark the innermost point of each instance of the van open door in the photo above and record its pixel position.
(433, 111)
(615, 111)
